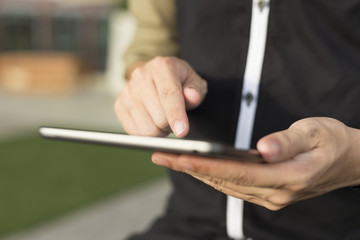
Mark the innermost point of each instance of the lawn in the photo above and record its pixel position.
(41, 179)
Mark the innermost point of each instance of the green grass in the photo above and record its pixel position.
(41, 179)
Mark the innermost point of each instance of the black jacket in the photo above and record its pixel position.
(311, 68)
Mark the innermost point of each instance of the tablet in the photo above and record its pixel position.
(168, 145)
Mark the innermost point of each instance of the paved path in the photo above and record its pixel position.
(19, 112)
(111, 219)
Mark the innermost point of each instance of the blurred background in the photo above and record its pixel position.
(61, 65)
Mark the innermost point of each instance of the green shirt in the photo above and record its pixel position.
(156, 33)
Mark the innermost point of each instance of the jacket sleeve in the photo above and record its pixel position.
(156, 33)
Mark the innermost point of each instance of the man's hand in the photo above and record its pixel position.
(154, 101)
(314, 156)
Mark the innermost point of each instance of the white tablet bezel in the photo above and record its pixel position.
(171, 145)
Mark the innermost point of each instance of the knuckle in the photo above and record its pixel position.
(161, 122)
(117, 106)
(286, 140)
(273, 207)
(312, 126)
(125, 93)
(217, 181)
(125, 98)
(242, 178)
(299, 187)
(161, 61)
(281, 200)
(217, 184)
(129, 103)
(303, 123)
(137, 74)
(301, 182)
(252, 199)
(266, 204)
(151, 131)
(120, 109)
(169, 92)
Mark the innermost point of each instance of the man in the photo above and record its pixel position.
(279, 76)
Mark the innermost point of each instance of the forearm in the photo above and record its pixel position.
(156, 33)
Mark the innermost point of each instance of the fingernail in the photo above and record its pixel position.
(179, 128)
(270, 149)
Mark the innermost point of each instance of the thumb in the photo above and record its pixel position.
(194, 90)
(285, 145)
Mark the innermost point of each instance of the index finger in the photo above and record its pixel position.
(167, 80)
(274, 175)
